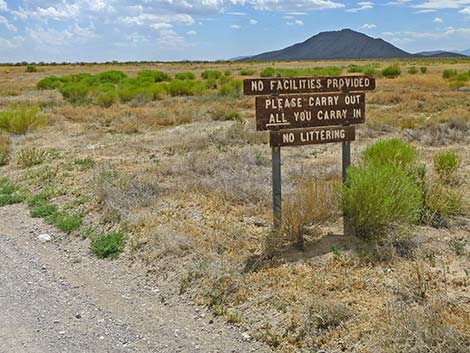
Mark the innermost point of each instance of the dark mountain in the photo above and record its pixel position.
(440, 54)
(344, 44)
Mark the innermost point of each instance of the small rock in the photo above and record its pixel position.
(246, 336)
(43, 238)
(78, 316)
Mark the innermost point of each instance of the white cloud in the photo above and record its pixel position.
(293, 13)
(235, 27)
(449, 33)
(442, 4)
(236, 13)
(191, 33)
(159, 26)
(11, 43)
(438, 20)
(465, 11)
(7, 24)
(171, 40)
(363, 5)
(145, 18)
(3, 5)
(369, 26)
(300, 5)
(252, 22)
(52, 37)
(295, 23)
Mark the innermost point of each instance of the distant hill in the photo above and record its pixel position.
(344, 44)
(465, 52)
(440, 54)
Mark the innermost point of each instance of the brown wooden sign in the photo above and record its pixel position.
(296, 85)
(301, 111)
(313, 136)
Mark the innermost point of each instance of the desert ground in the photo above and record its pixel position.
(178, 188)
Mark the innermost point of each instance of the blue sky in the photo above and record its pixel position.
(102, 30)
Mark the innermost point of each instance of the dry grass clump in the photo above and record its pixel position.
(439, 134)
(28, 157)
(323, 315)
(428, 328)
(5, 143)
(312, 202)
(119, 193)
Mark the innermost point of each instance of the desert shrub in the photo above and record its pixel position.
(185, 88)
(153, 76)
(310, 203)
(28, 157)
(228, 72)
(106, 95)
(20, 119)
(391, 152)
(449, 73)
(50, 82)
(233, 115)
(423, 69)
(31, 68)
(391, 71)
(268, 72)
(211, 74)
(5, 144)
(232, 88)
(247, 72)
(441, 203)
(185, 76)
(355, 68)
(108, 245)
(75, 92)
(446, 164)
(368, 70)
(211, 83)
(379, 199)
(325, 315)
(111, 76)
(413, 70)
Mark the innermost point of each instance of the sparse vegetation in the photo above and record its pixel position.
(315, 71)
(65, 222)
(247, 72)
(5, 144)
(28, 157)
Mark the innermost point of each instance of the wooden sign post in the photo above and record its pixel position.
(307, 111)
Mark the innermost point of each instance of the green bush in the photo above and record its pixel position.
(107, 98)
(65, 222)
(31, 68)
(247, 72)
(446, 164)
(50, 82)
(268, 72)
(391, 152)
(20, 119)
(449, 73)
(233, 115)
(423, 69)
(413, 70)
(228, 72)
(111, 76)
(185, 88)
(441, 203)
(75, 92)
(391, 71)
(28, 157)
(153, 76)
(378, 200)
(108, 245)
(185, 76)
(211, 74)
(233, 88)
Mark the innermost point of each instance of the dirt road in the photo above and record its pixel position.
(56, 297)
